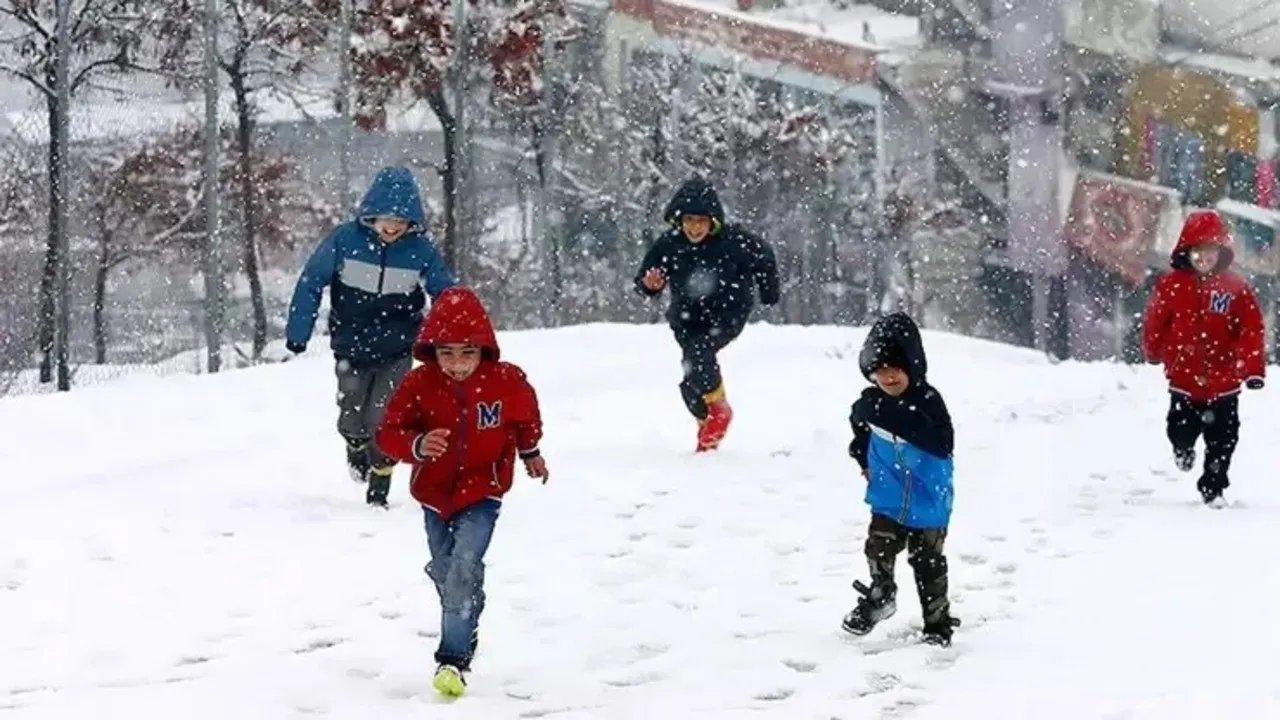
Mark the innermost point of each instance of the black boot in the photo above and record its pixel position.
(877, 603)
(939, 633)
(1184, 458)
(1210, 491)
(379, 485)
(358, 459)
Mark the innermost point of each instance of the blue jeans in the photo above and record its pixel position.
(457, 569)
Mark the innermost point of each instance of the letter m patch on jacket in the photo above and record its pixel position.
(1219, 302)
(488, 415)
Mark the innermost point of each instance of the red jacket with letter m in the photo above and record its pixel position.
(1207, 330)
(492, 416)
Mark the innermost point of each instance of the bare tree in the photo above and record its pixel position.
(102, 36)
(263, 45)
(141, 198)
(409, 48)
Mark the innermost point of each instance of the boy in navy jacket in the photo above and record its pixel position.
(376, 267)
(903, 440)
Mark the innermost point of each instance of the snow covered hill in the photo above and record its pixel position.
(191, 547)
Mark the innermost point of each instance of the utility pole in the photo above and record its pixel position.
(1028, 66)
(61, 180)
(344, 103)
(214, 291)
(462, 137)
(544, 137)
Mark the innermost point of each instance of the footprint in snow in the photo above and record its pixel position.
(390, 614)
(637, 536)
(192, 660)
(650, 651)
(971, 559)
(689, 523)
(995, 538)
(800, 666)
(319, 644)
(682, 543)
(1007, 568)
(635, 679)
(774, 695)
(877, 683)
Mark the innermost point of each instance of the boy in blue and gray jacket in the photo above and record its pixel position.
(376, 267)
(903, 440)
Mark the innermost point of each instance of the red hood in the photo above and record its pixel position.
(456, 316)
(1203, 227)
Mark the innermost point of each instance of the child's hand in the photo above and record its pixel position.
(435, 443)
(537, 468)
(654, 280)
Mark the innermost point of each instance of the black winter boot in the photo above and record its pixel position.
(379, 485)
(358, 459)
(878, 603)
(939, 633)
(1184, 458)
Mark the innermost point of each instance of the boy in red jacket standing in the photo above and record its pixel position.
(461, 419)
(1204, 324)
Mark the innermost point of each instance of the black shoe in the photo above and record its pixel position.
(939, 633)
(475, 641)
(1184, 458)
(358, 460)
(1211, 496)
(379, 486)
(876, 605)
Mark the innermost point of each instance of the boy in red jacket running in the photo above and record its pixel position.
(1203, 323)
(461, 419)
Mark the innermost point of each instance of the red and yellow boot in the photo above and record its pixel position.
(712, 428)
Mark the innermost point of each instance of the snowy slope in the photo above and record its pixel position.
(190, 547)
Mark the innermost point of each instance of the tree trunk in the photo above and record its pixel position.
(100, 300)
(211, 253)
(52, 250)
(448, 175)
(244, 141)
(547, 240)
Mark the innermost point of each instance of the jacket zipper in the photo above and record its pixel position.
(906, 482)
(1201, 342)
(382, 268)
(459, 394)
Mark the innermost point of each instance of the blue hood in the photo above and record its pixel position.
(394, 192)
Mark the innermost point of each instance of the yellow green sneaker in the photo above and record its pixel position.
(450, 681)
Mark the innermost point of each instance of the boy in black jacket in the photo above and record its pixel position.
(903, 440)
(711, 268)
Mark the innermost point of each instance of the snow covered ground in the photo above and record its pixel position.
(190, 547)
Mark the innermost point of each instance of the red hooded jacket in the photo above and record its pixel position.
(1207, 330)
(493, 415)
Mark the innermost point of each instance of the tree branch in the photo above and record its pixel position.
(170, 232)
(29, 21)
(80, 77)
(23, 75)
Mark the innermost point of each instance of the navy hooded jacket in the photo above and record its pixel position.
(711, 281)
(375, 289)
(906, 443)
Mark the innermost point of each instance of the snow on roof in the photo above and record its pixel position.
(105, 119)
(1248, 211)
(1247, 68)
(862, 26)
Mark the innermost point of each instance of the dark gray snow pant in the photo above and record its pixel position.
(362, 399)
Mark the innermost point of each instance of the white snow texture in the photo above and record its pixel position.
(191, 547)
